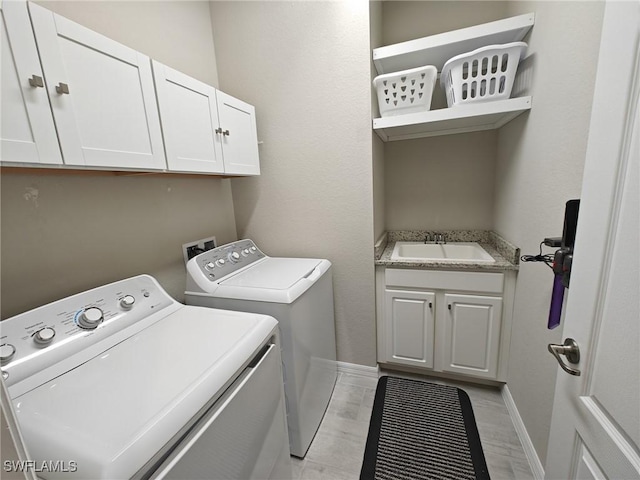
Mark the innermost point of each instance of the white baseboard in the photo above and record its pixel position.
(532, 456)
(355, 369)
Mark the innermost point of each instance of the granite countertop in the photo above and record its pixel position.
(505, 254)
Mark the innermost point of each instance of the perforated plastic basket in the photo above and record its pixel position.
(482, 75)
(408, 91)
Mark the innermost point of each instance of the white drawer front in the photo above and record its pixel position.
(445, 280)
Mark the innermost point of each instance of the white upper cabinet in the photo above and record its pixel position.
(189, 117)
(205, 130)
(27, 134)
(101, 95)
(238, 134)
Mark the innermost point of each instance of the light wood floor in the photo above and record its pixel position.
(338, 448)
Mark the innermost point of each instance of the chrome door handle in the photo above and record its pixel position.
(62, 88)
(570, 350)
(36, 81)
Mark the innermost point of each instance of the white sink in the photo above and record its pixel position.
(448, 252)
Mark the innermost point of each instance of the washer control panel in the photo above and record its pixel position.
(36, 339)
(221, 261)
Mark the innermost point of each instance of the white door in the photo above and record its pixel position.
(189, 119)
(595, 430)
(27, 134)
(239, 135)
(101, 94)
(471, 325)
(409, 327)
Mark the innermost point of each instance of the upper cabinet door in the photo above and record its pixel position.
(28, 134)
(101, 94)
(189, 121)
(238, 135)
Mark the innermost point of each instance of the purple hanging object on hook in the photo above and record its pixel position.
(557, 297)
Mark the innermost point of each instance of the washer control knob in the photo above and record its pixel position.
(220, 262)
(234, 257)
(252, 249)
(245, 252)
(210, 266)
(7, 351)
(44, 336)
(90, 318)
(127, 302)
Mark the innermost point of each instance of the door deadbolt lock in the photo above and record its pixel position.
(570, 350)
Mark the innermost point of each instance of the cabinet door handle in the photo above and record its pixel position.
(218, 130)
(36, 81)
(430, 304)
(226, 133)
(62, 88)
(449, 306)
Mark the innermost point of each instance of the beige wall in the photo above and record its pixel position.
(439, 182)
(65, 233)
(305, 66)
(539, 168)
(379, 223)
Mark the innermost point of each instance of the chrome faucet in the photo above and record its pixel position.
(440, 238)
(427, 238)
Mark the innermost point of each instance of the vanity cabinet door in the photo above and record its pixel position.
(472, 335)
(409, 323)
(238, 135)
(27, 134)
(189, 117)
(101, 94)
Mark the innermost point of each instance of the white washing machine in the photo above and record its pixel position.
(124, 382)
(298, 292)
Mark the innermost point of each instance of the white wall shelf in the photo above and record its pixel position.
(437, 49)
(446, 121)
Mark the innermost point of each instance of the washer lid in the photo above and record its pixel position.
(279, 280)
(113, 413)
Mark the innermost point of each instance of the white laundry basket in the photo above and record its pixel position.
(407, 91)
(482, 75)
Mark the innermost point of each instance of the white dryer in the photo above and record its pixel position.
(123, 382)
(298, 292)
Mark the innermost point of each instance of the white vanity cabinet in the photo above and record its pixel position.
(101, 94)
(27, 131)
(451, 322)
(204, 129)
(471, 334)
(409, 327)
